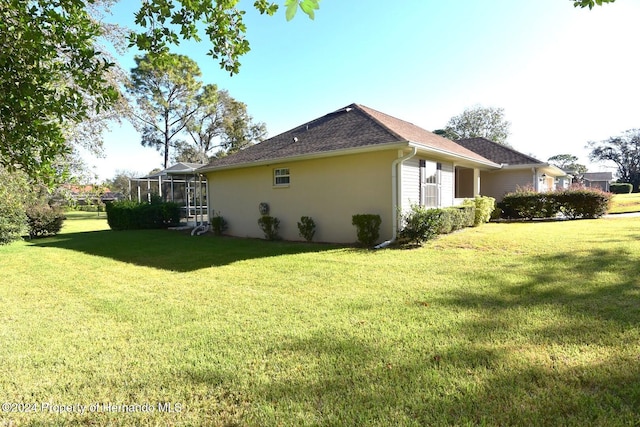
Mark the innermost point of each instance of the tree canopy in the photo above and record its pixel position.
(624, 151)
(590, 3)
(568, 162)
(51, 74)
(478, 121)
(172, 104)
(167, 22)
(54, 76)
(164, 88)
(220, 125)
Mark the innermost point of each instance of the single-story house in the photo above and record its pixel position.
(516, 169)
(92, 194)
(355, 160)
(599, 180)
(572, 177)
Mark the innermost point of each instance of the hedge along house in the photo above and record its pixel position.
(355, 160)
(516, 169)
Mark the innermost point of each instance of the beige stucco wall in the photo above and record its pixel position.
(498, 183)
(329, 190)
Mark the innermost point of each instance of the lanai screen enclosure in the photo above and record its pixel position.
(179, 183)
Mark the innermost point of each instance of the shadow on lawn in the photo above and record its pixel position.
(173, 250)
(494, 371)
(595, 284)
(352, 382)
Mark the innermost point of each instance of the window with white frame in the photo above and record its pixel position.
(430, 183)
(281, 177)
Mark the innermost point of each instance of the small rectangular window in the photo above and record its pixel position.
(281, 177)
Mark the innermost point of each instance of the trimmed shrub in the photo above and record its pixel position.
(269, 226)
(121, 216)
(44, 220)
(468, 216)
(170, 214)
(13, 220)
(529, 205)
(421, 224)
(484, 208)
(307, 228)
(572, 203)
(367, 228)
(218, 224)
(130, 215)
(583, 203)
(621, 188)
(455, 218)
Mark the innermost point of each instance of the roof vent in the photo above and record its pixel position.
(295, 139)
(348, 109)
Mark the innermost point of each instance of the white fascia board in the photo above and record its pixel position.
(320, 155)
(541, 167)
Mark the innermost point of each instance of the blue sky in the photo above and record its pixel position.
(563, 76)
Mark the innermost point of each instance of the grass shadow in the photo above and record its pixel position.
(173, 250)
(602, 284)
(357, 382)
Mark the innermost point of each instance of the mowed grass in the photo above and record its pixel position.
(624, 203)
(506, 324)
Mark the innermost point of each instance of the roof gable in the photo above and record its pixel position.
(352, 127)
(410, 132)
(497, 153)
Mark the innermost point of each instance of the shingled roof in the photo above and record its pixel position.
(352, 127)
(497, 153)
(598, 176)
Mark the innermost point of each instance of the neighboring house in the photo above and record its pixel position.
(92, 194)
(355, 160)
(517, 169)
(571, 177)
(599, 180)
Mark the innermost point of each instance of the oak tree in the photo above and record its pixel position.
(51, 75)
(219, 126)
(567, 162)
(478, 121)
(624, 151)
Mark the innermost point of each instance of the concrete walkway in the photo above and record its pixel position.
(623, 215)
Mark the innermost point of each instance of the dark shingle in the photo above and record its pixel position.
(598, 176)
(352, 127)
(497, 153)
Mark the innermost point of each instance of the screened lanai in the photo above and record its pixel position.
(179, 183)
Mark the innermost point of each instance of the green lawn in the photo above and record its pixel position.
(506, 324)
(623, 203)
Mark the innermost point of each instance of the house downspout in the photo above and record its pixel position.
(395, 193)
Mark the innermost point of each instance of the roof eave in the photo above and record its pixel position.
(544, 167)
(319, 155)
